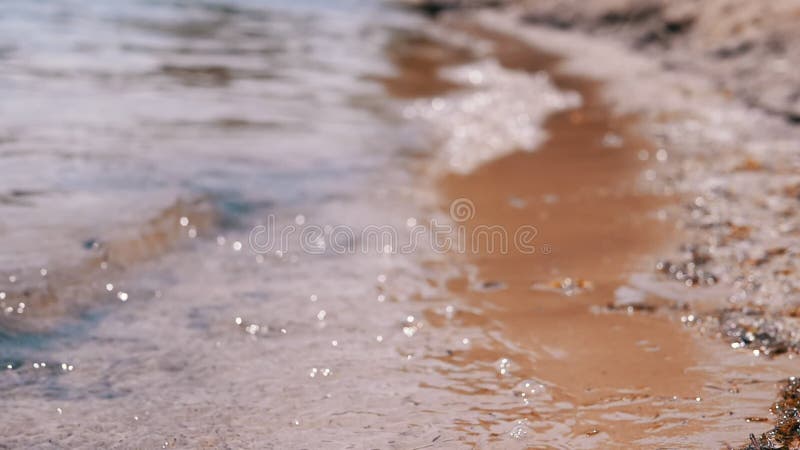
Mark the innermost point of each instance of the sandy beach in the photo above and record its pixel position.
(351, 225)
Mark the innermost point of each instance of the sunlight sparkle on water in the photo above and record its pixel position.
(503, 366)
(529, 389)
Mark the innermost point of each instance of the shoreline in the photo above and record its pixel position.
(711, 395)
(593, 361)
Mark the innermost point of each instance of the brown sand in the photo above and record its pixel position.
(596, 229)
(616, 378)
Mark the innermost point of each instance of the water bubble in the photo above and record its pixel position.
(410, 326)
(313, 297)
(122, 296)
(503, 366)
(688, 319)
(529, 389)
(321, 314)
(300, 219)
(237, 246)
(325, 372)
(184, 221)
(612, 140)
(520, 429)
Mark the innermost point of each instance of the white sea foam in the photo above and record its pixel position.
(501, 111)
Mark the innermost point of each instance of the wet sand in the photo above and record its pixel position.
(613, 376)
(580, 196)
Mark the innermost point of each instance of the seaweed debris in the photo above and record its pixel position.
(786, 433)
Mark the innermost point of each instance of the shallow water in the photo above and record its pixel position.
(116, 118)
(142, 143)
